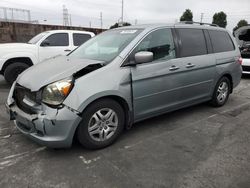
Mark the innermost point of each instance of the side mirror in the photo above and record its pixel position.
(143, 57)
(45, 43)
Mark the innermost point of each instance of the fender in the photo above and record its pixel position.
(126, 103)
(110, 93)
(30, 55)
(12, 55)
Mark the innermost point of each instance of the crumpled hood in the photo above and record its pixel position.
(52, 70)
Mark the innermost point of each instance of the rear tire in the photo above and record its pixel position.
(221, 92)
(102, 123)
(13, 70)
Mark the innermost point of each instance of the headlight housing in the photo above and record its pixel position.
(54, 94)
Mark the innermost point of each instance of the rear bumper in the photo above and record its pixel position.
(53, 128)
(246, 66)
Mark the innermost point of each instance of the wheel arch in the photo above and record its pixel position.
(120, 100)
(26, 60)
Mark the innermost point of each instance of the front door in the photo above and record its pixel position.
(53, 45)
(152, 82)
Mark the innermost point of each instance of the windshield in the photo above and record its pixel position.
(106, 46)
(37, 38)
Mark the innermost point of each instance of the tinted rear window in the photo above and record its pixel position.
(192, 42)
(221, 41)
(80, 38)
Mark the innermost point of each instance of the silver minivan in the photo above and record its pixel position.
(123, 76)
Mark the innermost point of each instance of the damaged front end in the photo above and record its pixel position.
(48, 124)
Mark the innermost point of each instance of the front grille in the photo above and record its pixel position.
(19, 94)
(246, 68)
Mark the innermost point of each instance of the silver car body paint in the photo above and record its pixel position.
(147, 89)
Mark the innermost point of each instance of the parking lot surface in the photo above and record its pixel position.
(200, 146)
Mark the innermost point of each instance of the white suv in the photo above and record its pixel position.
(16, 57)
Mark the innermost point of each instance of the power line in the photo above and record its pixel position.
(65, 16)
(14, 12)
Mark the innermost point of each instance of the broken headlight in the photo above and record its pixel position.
(54, 94)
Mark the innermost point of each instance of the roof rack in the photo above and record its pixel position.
(200, 23)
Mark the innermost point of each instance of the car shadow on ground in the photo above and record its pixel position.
(246, 76)
(4, 84)
(140, 131)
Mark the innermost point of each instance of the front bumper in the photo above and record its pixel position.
(50, 127)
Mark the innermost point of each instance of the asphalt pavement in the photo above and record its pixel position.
(200, 146)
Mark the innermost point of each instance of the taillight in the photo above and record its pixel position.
(240, 60)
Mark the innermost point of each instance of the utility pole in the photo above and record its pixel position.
(122, 11)
(136, 21)
(70, 21)
(12, 14)
(101, 19)
(202, 14)
(5, 13)
(90, 24)
(29, 17)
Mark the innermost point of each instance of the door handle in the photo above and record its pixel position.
(173, 68)
(67, 50)
(190, 65)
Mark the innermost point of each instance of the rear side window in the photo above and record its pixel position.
(192, 42)
(221, 41)
(80, 38)
(58, 39)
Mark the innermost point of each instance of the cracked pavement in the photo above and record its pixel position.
(199, 146)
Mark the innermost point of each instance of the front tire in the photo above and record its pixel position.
(221, 92)
(13, 70)
(102, 123)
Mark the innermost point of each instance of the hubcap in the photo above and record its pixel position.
(222, 92)
(103, 124)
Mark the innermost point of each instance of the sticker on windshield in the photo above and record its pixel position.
(128, 31)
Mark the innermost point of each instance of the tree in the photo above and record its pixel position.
(187, 15)
(241, 23)
(117, 25)
(220, 19)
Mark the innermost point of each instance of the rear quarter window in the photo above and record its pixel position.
(193, 42)
(79, 38)
(221, 41)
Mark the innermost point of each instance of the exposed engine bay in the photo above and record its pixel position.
(243, 38)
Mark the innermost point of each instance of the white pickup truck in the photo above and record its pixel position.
(16, 57)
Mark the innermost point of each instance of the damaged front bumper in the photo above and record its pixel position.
(51, 127)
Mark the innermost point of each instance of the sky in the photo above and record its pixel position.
(87, 12)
